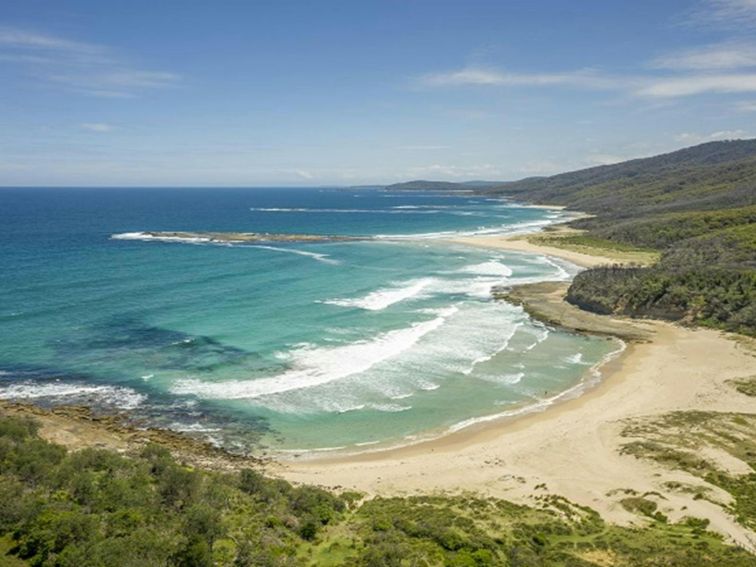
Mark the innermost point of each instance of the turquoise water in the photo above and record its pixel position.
(285, 346)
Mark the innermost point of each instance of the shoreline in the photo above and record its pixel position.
(572, 448)
(520, 243)
(349, 453)
(533, 298)
(593, 376)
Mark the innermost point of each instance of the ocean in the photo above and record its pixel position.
(284, 348)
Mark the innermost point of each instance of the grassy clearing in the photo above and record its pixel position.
(577, 241)
(678, 439)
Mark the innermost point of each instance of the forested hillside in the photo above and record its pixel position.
(697, 206)
(716, 175)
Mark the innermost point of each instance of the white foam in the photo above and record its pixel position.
(402, 396)
(390, 408)
(192, 428)
(489, 268)
(404, 207)
(540, 337)
(538, 406)
(318, 366)
(143, 236)
(347, 409)
(121, 397)
(594, 372)
(442, 234)
(478, 287)
(391, 211)
(487, 275)
(148, 237)
(511, 378)
(383, 298)
(504, 229)
(473, 333)
(490, 356)
(315, 450)
(314, 255)
(576, 358)
(561, 273)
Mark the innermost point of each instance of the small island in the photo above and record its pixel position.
(234, 237)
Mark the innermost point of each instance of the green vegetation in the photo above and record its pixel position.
(579, 241)
(677, 440)
(596, 246)
(710, 296)
(97, 508)
(716, 175)
(697, 207)
(746, 386)
(661, 231)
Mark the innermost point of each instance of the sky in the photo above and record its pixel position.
(290, 93)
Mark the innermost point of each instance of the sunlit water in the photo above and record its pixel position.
(289, 346)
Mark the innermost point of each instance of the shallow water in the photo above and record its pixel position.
(292, 346)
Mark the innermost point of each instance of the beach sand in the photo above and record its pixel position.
(548, 243)
(523, 244)
(573, 448)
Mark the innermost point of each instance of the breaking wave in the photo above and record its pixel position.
(72, 393)
(317, 366)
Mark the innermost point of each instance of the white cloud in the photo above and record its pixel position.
(603, 159)
(700, 84)
(472, 76)
(122, 83)
(450, 171)
(731, 55)
(541, 167)
(691, 138)
(468, 76)
(26, 39)
(81, 67)
(726, 13)
(421, 148)
(670, 86)
(97, 127)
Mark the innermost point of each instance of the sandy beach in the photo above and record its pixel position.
(522, 244)
(573, 448)
(541, 243)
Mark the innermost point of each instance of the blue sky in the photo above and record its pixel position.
(96, 92)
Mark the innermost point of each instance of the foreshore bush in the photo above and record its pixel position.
(95, 507)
